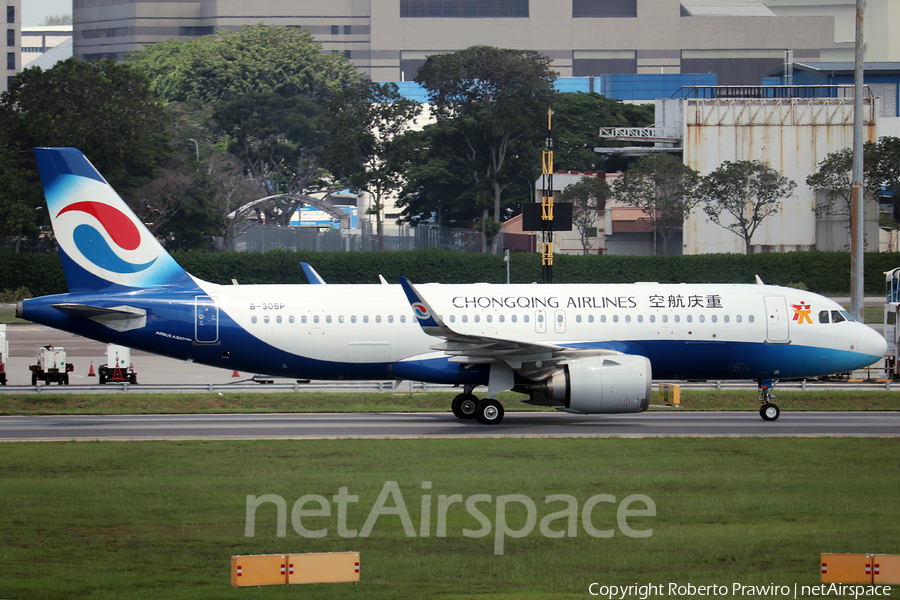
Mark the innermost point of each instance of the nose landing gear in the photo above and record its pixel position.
(768, 411)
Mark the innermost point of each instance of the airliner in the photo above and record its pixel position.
(585, 349)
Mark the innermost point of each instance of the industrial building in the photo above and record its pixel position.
(13, 59)
(389, 39)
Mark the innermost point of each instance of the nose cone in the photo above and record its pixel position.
(874, 344)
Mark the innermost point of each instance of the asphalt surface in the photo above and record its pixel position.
(443, 425)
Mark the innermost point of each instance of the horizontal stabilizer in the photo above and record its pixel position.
(120, 318)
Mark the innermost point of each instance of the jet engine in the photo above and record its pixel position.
(596, 384)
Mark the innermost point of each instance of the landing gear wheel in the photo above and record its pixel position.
(464, 406)
(489, 412)
(769, 412)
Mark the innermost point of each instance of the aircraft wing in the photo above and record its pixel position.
(530, 359)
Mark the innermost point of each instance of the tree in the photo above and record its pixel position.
(503, 96)
(232, 193)
(835, 176)
(739, 196)
(104, 109)
(439, 182)
(21, 208)
(280, 142)
(588, 197)
(266, 59)
(367, 125)
(887, 167)
(576, 120)
(663, 188)
(171, 192)
(65, 19)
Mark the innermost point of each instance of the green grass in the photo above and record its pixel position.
(117, 520)
(51, 404)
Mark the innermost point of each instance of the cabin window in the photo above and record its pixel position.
(378, 318)
(640, 318)
(738, 318)
(465, 318)
(677, 319)
(303, 319)
(702, 318)
(603, 318)
(291, 319)
(590, 318)
(615, 318)
(316, 319)
(823, 316)
(477, 318)
(524, 318)
(365, 318)
(341, 319)
(725, 318)
(653, 318)
(390, 318)
(628, 318)
(578, 318)
(836, 317)
(689, 318)
(403, 318)
(328, 319)
(665, 318)
(540, 318)
(278, 319)
(353, 318)
(266, 319)
(253, 319)
(559, 318)
(750, 318)
(501, 317)
(714, 318)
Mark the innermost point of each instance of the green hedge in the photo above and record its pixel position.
(822, 272)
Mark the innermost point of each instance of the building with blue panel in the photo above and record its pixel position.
(883, 79)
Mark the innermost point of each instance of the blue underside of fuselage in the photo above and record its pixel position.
(169, 331)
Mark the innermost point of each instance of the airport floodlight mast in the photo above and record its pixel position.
(547, 203)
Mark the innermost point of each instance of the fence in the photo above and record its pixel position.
(364, 239)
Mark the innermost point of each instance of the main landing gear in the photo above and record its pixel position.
(768, 411)
(468, 406)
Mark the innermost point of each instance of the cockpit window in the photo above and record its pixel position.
(846, 315)
(823, 316)
(837, 317)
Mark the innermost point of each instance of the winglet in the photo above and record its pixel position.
(311, 274)
(428, 319)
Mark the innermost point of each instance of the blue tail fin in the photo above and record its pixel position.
(101, 242)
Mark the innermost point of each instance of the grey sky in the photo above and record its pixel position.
(34, 11)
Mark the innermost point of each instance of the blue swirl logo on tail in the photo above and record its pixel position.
(94, 247)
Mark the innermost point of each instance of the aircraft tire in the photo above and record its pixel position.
(464, 406)
(489, 412)
(769, 412)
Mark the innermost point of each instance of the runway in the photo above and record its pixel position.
(443, 425)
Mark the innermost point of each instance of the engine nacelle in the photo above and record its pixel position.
(599, 384)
